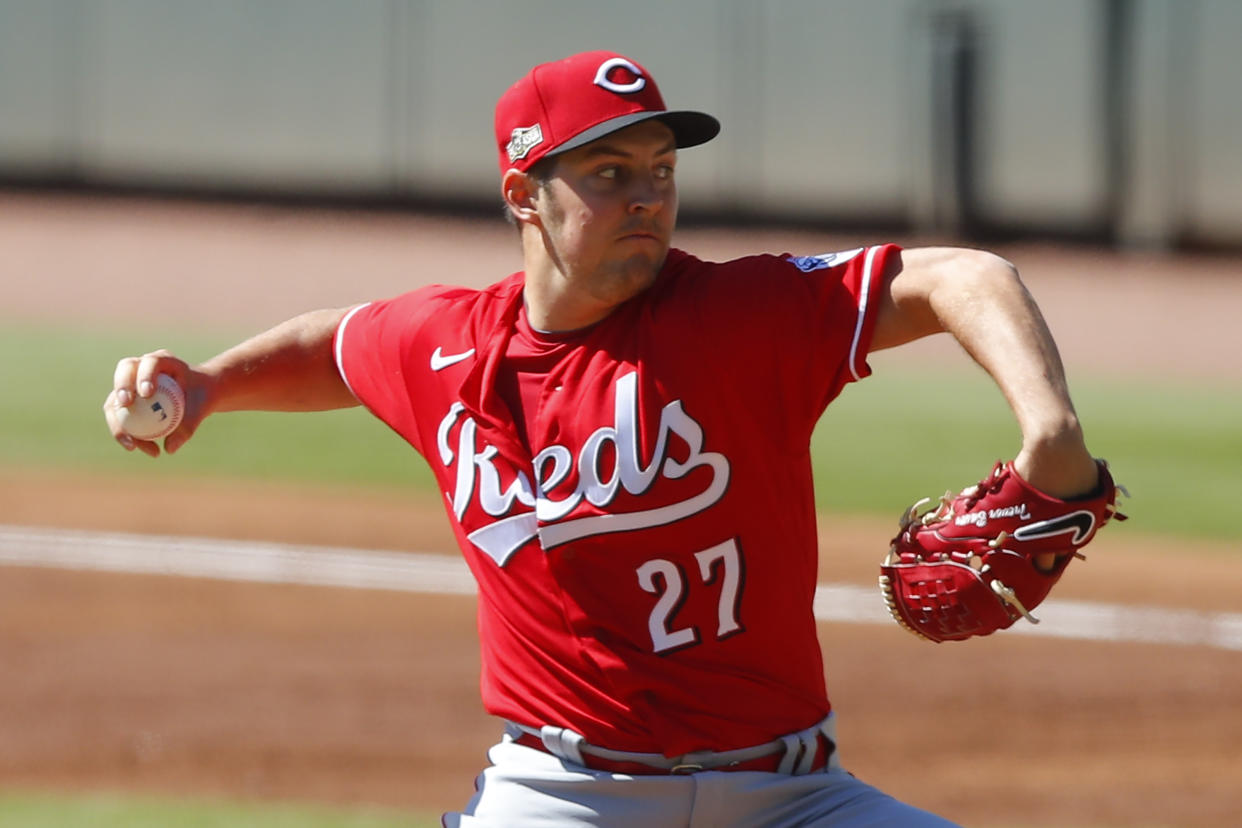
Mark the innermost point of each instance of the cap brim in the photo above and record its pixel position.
(689, 129)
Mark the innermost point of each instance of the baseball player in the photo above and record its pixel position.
(621, 434)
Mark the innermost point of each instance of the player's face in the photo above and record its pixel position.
(608, 211)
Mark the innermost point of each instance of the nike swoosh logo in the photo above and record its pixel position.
(439, 361)
(1080, 523)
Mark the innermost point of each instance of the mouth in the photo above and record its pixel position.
(641, 235)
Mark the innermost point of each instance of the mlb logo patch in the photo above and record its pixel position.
(524, 139)
(821, 261)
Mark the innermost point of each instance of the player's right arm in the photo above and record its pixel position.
(288, 368)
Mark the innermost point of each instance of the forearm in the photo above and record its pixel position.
(288, 368)
(979, 299)
(993, 316)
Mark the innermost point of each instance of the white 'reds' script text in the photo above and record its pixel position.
(476, 473)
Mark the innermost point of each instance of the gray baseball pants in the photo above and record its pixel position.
(527, 788)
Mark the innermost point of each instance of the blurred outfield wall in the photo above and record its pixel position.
(1107, 119)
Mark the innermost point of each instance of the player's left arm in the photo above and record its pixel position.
(979, 299)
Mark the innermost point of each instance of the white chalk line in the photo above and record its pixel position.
(280, 563)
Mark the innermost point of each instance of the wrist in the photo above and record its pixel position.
(205, 381)
(1057, 462)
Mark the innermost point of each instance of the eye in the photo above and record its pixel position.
(610, 173)
(664, 171)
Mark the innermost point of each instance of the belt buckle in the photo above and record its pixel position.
(685, 768)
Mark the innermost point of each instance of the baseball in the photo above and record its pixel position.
(150, 418)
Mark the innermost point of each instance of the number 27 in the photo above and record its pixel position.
(666, 580)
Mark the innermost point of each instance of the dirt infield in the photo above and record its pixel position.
(195, 686)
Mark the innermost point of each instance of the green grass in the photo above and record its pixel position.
(50, 416)
(115, 810)
(895, 438)
(892, 439)
(99, 810)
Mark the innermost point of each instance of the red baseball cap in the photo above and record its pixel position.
(567, 103)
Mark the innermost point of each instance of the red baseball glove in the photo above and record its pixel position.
(967, 566)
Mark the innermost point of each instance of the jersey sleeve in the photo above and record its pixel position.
(833, 302)
(798, 327)
(374, 346)
(845, 289)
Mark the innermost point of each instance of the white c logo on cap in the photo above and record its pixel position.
(601, 77)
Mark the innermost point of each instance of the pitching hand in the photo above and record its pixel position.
(135, 377)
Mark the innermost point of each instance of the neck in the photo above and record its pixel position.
(551, 312)
(556, 302)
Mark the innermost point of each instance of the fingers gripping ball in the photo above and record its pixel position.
(156, 416)
(967, 567)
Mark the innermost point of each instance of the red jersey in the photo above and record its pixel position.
(634, 499)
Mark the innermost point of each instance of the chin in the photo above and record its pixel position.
(641, 271)
(627, 279)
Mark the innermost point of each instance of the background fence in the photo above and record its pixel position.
(1117, 120)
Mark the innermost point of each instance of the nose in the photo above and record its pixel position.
(649, 194)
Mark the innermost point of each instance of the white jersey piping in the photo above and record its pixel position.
(336, 346)
(863, 300)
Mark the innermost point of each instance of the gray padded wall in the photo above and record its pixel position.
(829, 118)
(831, 108)
(1041, 158)
(469, 53)
(283, 93)
(1214, 147)
(39, 78)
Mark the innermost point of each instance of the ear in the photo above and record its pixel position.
(519, 191)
